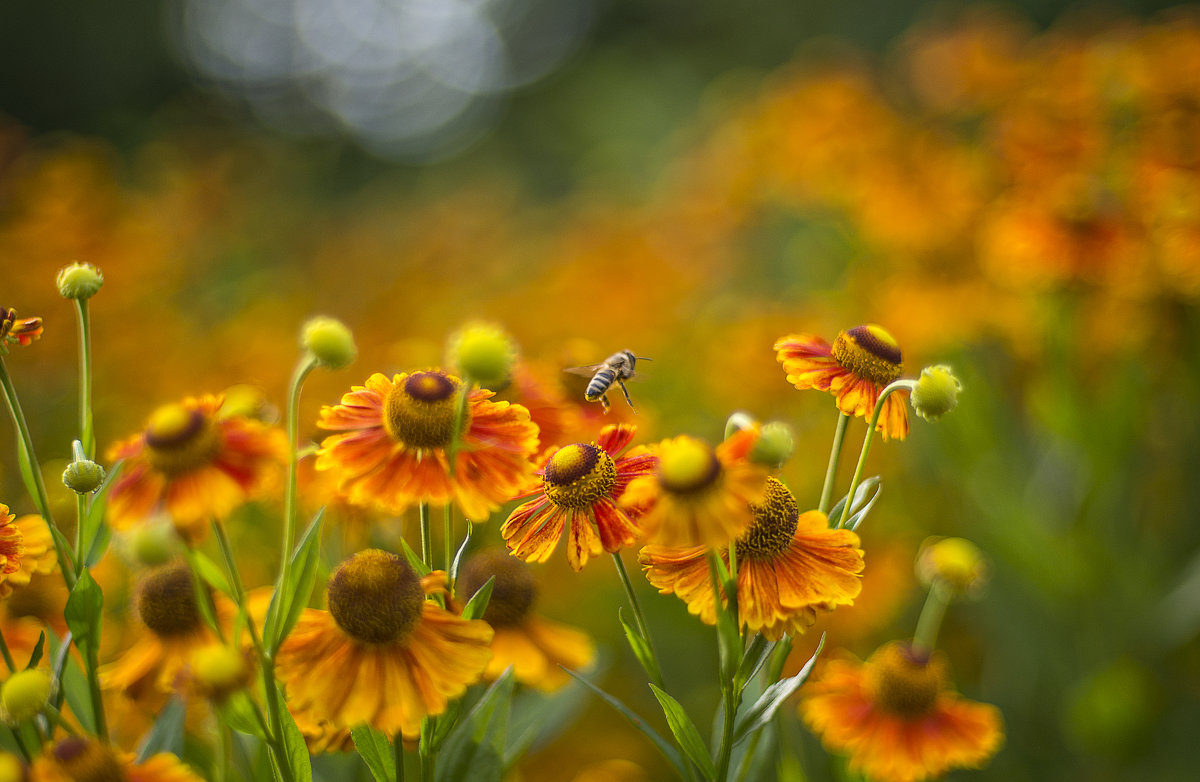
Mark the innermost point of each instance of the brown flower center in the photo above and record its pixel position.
(178, 439)
(905, 682)
(88, 761)
(419, 411)
(870, 352)
(513, 593)
(774, 525)
(577, 475)
(376, 597)
(687, 465)
(166, 602)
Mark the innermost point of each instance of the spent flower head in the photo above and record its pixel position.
(79, 281)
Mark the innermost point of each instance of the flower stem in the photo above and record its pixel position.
(930, 621)
(460, 414)
(866, 446)
(835, 457)
(426, 543)
(86, 427)
(31, 472)
(729, 703)
(398, 756)
(290, 503)
(639, 619)
(448, 545)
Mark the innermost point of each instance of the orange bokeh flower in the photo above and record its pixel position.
(581, 485)
(74, 759)
(21, 331)
(858, 365)
(12, 547)
(392, 446)
(896, 717)
(193, 463)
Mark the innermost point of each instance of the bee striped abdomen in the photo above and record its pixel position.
(600, 383)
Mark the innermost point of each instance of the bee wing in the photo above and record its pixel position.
(585, 371)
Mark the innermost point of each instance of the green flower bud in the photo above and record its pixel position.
(153, 544)
(483, 353)
(83, 476)
(24, 695)
(11, 768)
(79, 281)
(953, 564)
(329, 341)
(936, 392)
(774, 446)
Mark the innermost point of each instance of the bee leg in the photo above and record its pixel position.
(625, 391)
(604, 401)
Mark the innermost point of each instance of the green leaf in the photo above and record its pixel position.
(753, 659)
(95, 534)
(415, 560)
(237, 711)
(167, 733)
(479, 601)
(83, 614)
(474, 751)
(640, 647)
(864, 498)
(290, 599)
(772, 698)
(375, 749)
(38, 649)
(685, 733)
(458, 555)
(293, 743)
(211, 572)
(538, 718)
(669, 752)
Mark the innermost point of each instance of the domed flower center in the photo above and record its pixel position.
(870, 352)
(687, 465)
(88, 761)
(419, 410)
(166, 602)
(376, 597)
(905, 682)
(577, 475)
(513, 593)
(774, 525)
(179, 439)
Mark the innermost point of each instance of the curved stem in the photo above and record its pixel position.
(835, 457)
(305, 366)
(8, 658)
(639, 619)
(866, 447)
(930, 621)
(86, 428)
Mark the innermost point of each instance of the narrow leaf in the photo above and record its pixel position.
(293, 742)
(83, 613)
(479, 601)
(415, 560)
(167, 733)
(865, 491)
(38, 650)
(95, 533)
(474, 751)
(376, 751)
(211, 573)
(753, 659)
(458, 555)
(640, 647)
(237, 711)
(290, 599)
(857, 516)
(685, 733)
(772, 698)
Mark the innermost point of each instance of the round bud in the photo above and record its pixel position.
(11, 768)
(936, 392)
(153, 544)
(484, 353)
(24, 695)
(79, 281)
(774, 446)
(329, 341)
(219, 670)
(954, 564)
(83, 476)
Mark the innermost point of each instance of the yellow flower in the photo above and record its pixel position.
(393, 436)
(897, 718)
(382, 654)
(78, 759)
(789, 565)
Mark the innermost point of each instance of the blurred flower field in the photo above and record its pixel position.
(1020, 204)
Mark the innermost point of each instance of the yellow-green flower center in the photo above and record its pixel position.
(419, 411)
(376, 597)
(774, 525)
(687, 465)
(577, 475)
(870, 352)
(88, 761)
(179, 439)
(166, 602)
(905, 682)
(513, 593)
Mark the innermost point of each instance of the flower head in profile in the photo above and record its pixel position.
(12, 547)
(897, 718)
(533, 646)
(79, 759)
(17, 331)
(859, 364)
(393, 438)
(193, 463)
(789, 565)
(699, 495)
(382, 654)
(580, 488)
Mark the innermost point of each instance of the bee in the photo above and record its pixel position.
(617, 368)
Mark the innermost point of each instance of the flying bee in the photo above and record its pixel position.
(617, 368)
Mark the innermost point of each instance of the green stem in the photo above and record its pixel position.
(16, 734)
(426, 543)
(31, 472)
(835, 457)
(449, 525)
(729, 702)
(86, 427)
(930, 621)
(398, 756)
(92, 658)
(639, 619)
(867, 440)
(460, 414)
(291, 492)
(55, 716)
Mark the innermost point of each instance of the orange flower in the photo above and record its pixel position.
(78, 759)
(698, 496)
(382, 654)
(21, 331)
(581, 484)
(194, 463)
(897, 718)
(11, 548)
(789, 565)
(38, 557)
(534, 647)
(855, 369)
(391, 450)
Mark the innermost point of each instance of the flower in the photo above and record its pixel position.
(21, 331)
(391, 450)
(533, 646)
(855, 369)
(12, 547)
(897, 717)
(382, 654)
(581, 484)
(788, 565)
(698, 496)
(193, 462)
(78, 759)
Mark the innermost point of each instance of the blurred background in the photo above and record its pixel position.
(1013, 189)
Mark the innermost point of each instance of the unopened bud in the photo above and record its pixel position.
(936, 392)
(218, 670)
(153, 544)
(11, 768)
(79, 281)
(83, 476)
(24, 695)
(329, 341)
(954, 564)
(483, 353)
(774, 446)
